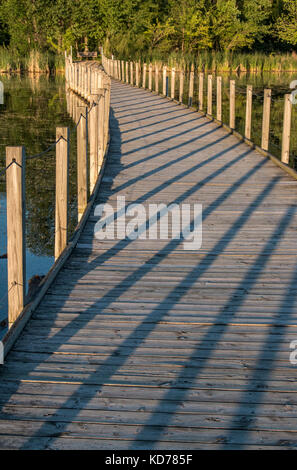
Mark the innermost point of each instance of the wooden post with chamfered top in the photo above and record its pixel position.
(82, 160)
(173, 83)
(93, 137)
(219, 99)
(287, 130)
(266, 119)
(62, 176)
(209, 95)
(248, 114)
(16, 251)
(232, 104)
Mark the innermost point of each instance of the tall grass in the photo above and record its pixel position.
(229, 62)
(34, 62)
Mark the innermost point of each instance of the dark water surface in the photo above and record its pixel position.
(33, 108)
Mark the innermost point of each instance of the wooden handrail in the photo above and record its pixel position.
(92, 87)
(172, 71)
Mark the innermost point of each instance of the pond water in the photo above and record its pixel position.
(33, 108)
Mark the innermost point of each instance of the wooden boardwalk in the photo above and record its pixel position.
(144, 345)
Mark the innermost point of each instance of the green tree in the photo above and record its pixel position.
(286, 27)
(190, 23)
(226, 25)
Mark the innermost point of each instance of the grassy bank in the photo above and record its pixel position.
(35, 62)
(230, 62)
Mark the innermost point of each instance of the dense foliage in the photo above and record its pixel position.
(138, 27)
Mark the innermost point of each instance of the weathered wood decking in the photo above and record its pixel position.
(143, 345)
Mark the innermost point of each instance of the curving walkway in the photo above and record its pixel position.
(144, 345)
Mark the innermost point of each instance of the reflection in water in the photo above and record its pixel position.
(33, 107)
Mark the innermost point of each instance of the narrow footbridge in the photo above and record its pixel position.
(143, 344)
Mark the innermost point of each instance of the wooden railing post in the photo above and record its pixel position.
(16, 238)
(181, 86)
(74, 76)
(82, 160)
(82, 80)
(78, 78)
(209, 95)
(119, 70)
(123, 70)
(89, 82)
(137, 74)
(127, 72)
(219, 99)
(150, 85)
(191, 86)
(106, 114)
(93, 126)
(248, 116)
(173, 83)
(62, 175)
(201, 86)
(287, 130)
(86, 94)
(266, 119)
(156, 78)
(101, 118)
(164, 80)
(232, 104)
(144, 76)
(131, 74)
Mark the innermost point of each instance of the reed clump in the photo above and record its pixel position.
(226, 61)
(11, 61)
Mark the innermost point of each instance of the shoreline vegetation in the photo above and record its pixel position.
(212, 35)
(212, 61)
(209, 61)
(11, 61)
